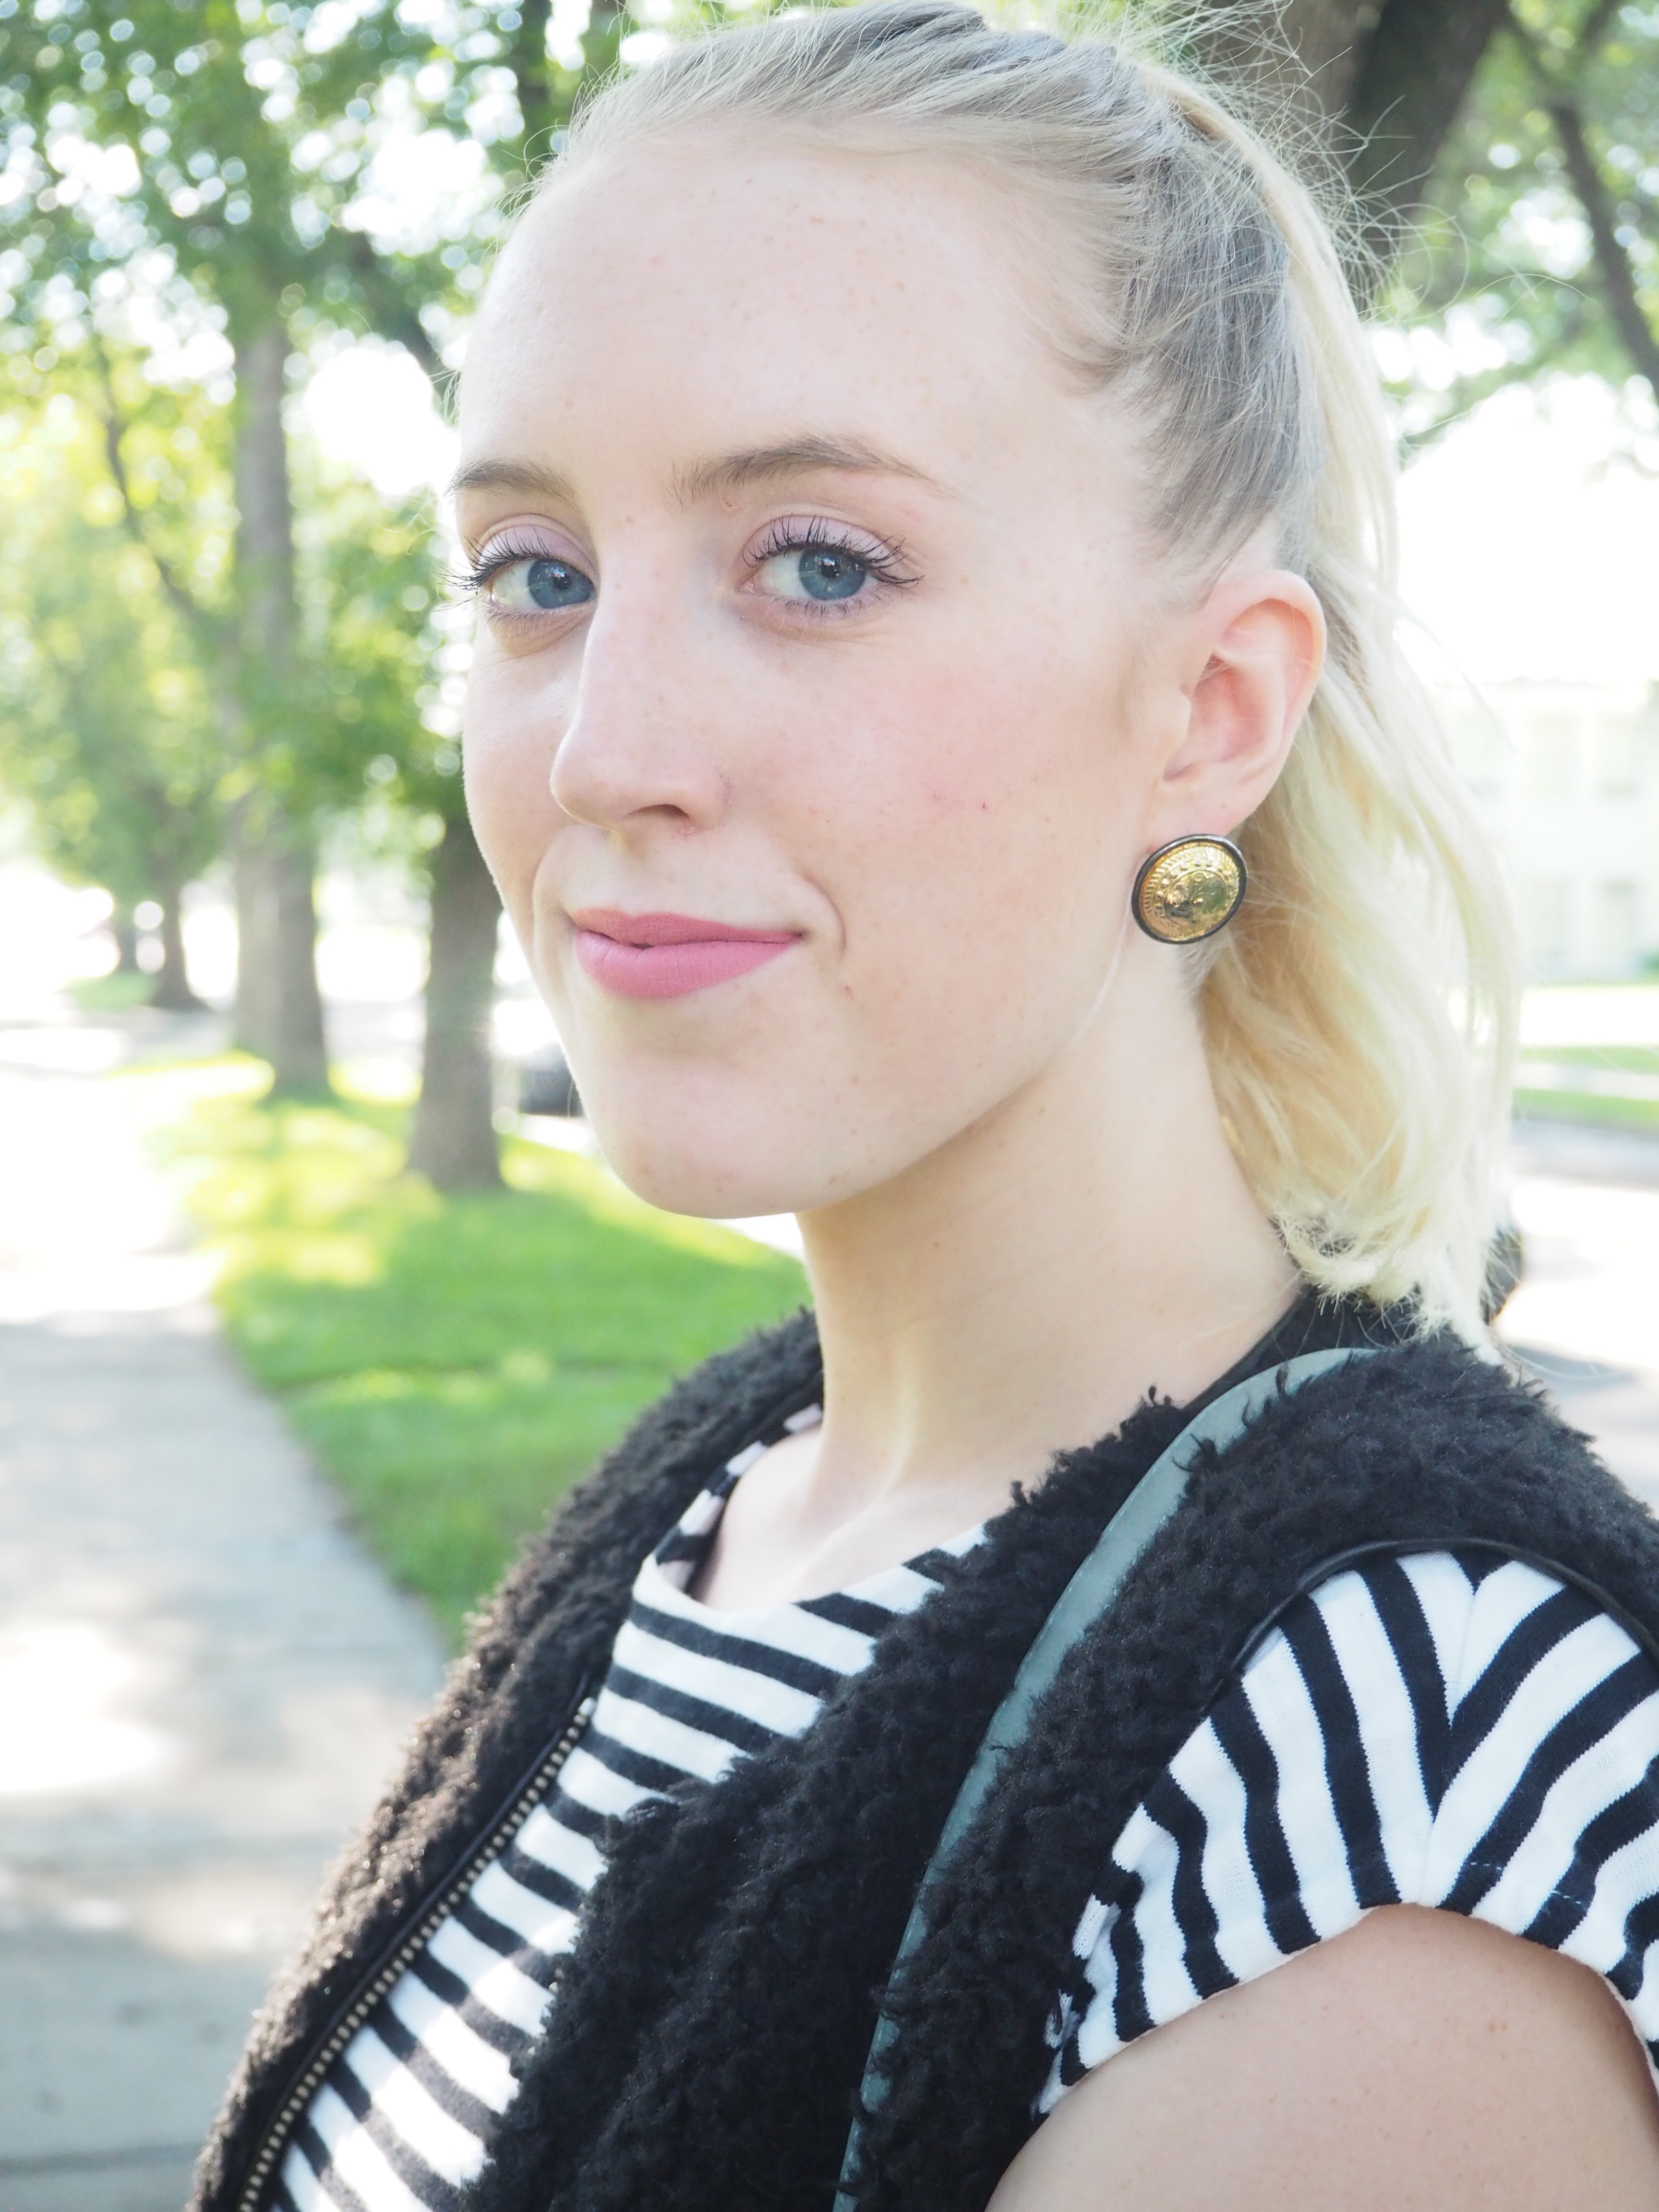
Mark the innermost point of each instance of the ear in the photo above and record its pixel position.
(1251, 658)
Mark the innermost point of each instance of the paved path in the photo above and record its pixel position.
(202, 1679)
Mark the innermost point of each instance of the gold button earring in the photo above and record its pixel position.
(1189, 889)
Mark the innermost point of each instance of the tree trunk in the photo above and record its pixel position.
(264, 516)
(254, 1020)
(279, 1009)
(124, 930)
(532, 78)
(1408, 89)
(173, 990)
(1392, 79)
(454, 1136)
(279, 1006)
(1302, 54)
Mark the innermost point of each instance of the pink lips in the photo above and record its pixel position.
(664, 956)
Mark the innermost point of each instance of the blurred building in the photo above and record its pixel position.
(1566, 776)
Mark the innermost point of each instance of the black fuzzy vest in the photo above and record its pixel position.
(711, 2026)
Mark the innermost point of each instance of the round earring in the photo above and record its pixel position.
(1189, 889)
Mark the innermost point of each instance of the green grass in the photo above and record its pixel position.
(114, 994)
(1636, 1058)
(454, 1363)
(1590, 1109)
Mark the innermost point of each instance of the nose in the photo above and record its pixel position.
(637, 750)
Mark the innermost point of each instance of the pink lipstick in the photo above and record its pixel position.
(664, 956)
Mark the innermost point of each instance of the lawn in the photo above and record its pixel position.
(1587, 1110)
(1594, 1102)
(1631, 1058)
(454, 1363)
(117, 992)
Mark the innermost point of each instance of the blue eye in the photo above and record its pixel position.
(541, 585)
(817, 572)
(827, 573)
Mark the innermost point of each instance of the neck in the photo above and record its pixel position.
(1020, 1290)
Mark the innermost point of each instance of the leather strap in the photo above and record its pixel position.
(1088, 1595)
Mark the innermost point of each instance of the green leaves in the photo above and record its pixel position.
(106, 727)
(1507, 264)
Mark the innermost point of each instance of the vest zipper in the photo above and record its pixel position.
(419, 1933)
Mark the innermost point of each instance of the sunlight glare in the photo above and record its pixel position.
(57, 1681)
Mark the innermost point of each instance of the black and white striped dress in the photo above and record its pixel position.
(1440, 1730)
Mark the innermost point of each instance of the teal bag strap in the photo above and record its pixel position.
(1088, 1595)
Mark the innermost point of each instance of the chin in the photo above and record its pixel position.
(714, 1182)
(719, 1151)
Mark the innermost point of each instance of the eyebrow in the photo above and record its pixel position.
(513, 475)
(794, 457)
(730, 472)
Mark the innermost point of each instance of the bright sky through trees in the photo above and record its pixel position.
(1531, 536)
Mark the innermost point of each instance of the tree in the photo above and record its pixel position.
(178, 145)
(385, 632)
(453, 1139)
(1384, 85)
(105, 728)
(1508, 154)
(223, 158)
(1540, 244)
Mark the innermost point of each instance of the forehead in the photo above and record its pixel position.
(725, 291)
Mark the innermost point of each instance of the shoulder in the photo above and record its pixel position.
(1419, 1447)
(1426, 1407)
(1454, 1730)
(1429, 1745)
(1417, 2060)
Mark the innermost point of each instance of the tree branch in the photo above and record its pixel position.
(183, 601)
(1409, 89)
(388, 307)
(1594, 28)
(527, 57)
(1613, 263)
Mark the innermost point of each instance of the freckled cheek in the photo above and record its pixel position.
(509, 739)
(962, 820)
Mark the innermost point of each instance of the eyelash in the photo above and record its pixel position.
(885, 563)
(501, 553)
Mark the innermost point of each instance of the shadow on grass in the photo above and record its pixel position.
(454, 1363)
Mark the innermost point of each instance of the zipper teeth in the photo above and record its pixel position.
(496, 1841)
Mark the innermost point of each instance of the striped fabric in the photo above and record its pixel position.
(404, 2118)
(1440, 1730)
(1451, 1730)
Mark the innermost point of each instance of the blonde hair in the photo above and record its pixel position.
(1359, 1014)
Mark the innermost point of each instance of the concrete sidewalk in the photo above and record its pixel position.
(202, 1677)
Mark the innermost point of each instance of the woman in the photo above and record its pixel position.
(913, 476)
